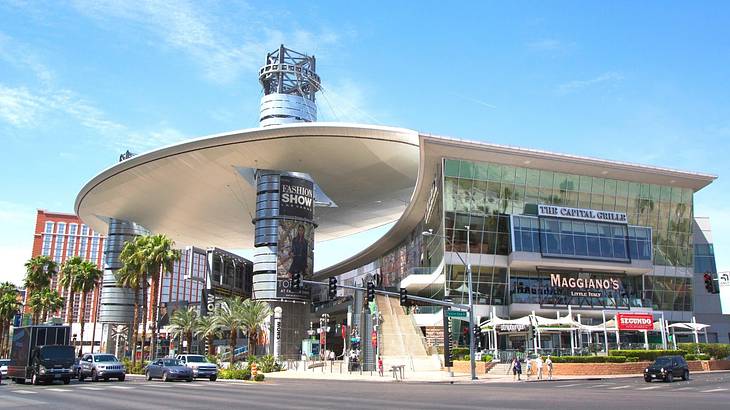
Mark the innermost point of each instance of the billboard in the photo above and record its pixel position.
(635, 321)
(723, 284)
(294, 255)
(296, 197)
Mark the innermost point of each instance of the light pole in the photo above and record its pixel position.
(472, 350)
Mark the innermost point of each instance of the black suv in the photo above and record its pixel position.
(667, 368)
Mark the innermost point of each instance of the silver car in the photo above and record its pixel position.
(200, 365)
(101, 366)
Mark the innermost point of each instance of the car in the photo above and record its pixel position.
(101, 366)
(202, 368)
(168, 369)
(666, 368)
(4, 367)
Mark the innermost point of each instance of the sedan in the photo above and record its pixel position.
(168, 370)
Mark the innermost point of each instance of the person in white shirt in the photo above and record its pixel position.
(549, 364)
(528, 366)
(538, 362)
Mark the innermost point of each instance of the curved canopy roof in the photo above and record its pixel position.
(197, 191)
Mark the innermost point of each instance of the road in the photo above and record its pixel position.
(703, 391)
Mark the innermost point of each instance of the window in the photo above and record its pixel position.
(72, 240)
(94, 252)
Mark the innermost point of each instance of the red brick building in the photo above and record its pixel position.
(62, 236)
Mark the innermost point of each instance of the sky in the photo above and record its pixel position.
(83, 81)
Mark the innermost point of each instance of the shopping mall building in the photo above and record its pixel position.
(543, 232)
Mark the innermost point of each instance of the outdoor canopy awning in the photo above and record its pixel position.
(689, 326)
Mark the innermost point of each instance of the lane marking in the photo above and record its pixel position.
(598, 385)
(120, 387)
(625, 386)
(650, 387)
(568, 385)
(59, 390)
(684, 388)
(712, 390)
(90, 388)
(25, 392)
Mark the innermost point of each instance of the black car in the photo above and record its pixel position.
(666, 368)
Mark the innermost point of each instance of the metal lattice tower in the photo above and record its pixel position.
(290, 81)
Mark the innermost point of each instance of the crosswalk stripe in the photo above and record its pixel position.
(625, 386)
(568, 385)
(684, 388)
(120, 387)
(58, 390)
(25, 392)
(712, 390)
(90, 388)
(650, 387)
(598, 385)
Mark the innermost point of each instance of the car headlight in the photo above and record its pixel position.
(662, 370)
(42, 369)
(646, 370)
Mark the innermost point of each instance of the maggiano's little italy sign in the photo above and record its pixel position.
(588, 287)
(584, 214)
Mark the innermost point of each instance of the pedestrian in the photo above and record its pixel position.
(538, 363)
(516, 369)
(549, 364)
(332, 356)
(528, 366)
(380, 365)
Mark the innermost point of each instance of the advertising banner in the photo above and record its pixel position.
(295, 255)
(583, 214)
(723, 282)
(635, 321)
(296, 197)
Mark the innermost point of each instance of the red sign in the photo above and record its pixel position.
(635, 321)
(374, 338)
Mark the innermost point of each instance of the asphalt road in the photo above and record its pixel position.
(703, 391)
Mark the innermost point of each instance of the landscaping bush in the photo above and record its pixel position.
(136, 369)
(487, 358)
(714, 350)
(697, 356)
(588, 359)
(632, 359)
(646, 355)
(237, 374)
(266, 364)
(259, 377)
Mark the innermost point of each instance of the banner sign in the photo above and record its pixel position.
(296, 197)
(584, 214)
(635, 321)
(294, 255)
(507, 327)
(723, 282)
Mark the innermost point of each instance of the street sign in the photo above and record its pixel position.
(456, 313)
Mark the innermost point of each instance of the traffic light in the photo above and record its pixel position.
(403, 296)
(477, 331)
(296, 281)
(332, 290)
(709, 286)
(371, 291)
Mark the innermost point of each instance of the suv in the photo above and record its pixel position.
(667, 368)
(202, 368)
(101, 365)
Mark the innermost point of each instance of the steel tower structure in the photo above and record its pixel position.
(290, 82)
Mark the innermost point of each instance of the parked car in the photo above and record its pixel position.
(667, 368)
(200, 365)
(4, 367)
(101, 366)
(168, 370)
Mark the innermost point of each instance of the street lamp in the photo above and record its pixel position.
(472, 350)
(323, 330)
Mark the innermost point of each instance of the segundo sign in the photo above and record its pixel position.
(635, 321)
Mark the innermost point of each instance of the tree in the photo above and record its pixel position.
(9, 307)
(38, 273)
(229, 318)
(253, 318)
(87, 276)
(44, 302)
(131, 276)
(208, 328)
(183, 324)
(69, 271)
(157, 257)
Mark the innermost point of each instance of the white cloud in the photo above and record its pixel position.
(19, 107)
(576, 85)
(16, 243)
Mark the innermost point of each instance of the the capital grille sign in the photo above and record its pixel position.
(583, 214)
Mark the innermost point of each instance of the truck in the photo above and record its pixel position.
(41, 353)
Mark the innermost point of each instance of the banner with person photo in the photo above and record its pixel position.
(294, 255)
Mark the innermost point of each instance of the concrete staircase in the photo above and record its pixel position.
(401, 341)
(500, 369)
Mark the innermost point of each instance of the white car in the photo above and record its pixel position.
(4, 367)
(202, 368)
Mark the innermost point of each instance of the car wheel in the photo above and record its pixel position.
(685, 375)
(189, 380)
(94, 376)
(165, 378)
(81, 377)
(106, 379)
(147, 376)
(670, 377)
(121, 378)
(213, 378)
(67, 380)
(647, 379)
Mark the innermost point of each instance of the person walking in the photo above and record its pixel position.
(528, 366)
(549, 364)
(380, 366)
(539, 363)
(516, 369)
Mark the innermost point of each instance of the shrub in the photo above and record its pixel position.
(646, 355)
(487, 358)
(697, 356)
(265, 364)
(632, 359)
(259, 377)
(136, 369)
(588, 359)
(714, 350)
(237, 374)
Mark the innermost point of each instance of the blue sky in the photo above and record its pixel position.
(82, 81)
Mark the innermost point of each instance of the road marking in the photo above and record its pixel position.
(25, 391)
(598, 385)
(684, 388)
(120, 387)
(568, 385)
(625, 386)
(58, 390)
(650, 387)
(712, 390)
(90, 388)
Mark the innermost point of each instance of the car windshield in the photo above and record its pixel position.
(171, 362)
(663, 361)
(57, 353)
(4, 362)
(196, 359)
(105, 358)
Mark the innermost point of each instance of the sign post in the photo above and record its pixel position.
(277, 332)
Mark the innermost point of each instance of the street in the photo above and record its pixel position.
(703, 391)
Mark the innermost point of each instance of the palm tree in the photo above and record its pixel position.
(44, 302)
(38, 273)
(131, 276)
(183, 324)
(87, 276)
(158, 258)
(69, 271)
(207, 328)
(9, 307)
(253, 317)
(229, 318)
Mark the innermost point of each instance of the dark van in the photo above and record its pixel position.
(41, 354)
